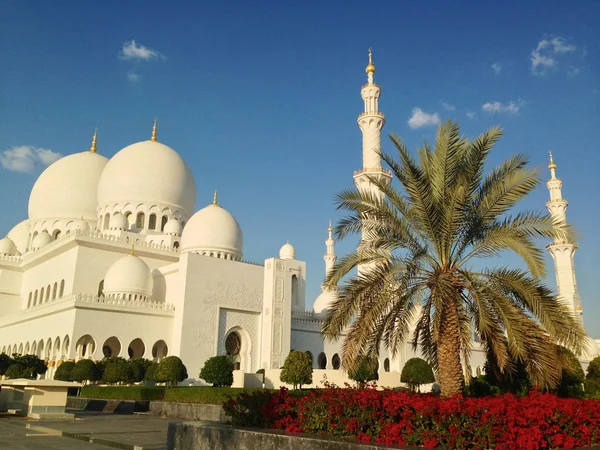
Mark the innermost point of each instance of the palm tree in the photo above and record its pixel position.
(422, 245)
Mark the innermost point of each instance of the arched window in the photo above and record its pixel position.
(295, 297)
(106, 221)
(478, 371)
(163, 222)
(152, 222)
(233, 346)
(54, 288)
(29, 300)
(335, 361)
(48, 293)
(322, 360)
(42, 296)
(101, 288)
(386, 365)
(62, 289)
(56, 234)
(139, 220)
(35, 296)
(176, 244)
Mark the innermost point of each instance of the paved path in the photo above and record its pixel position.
(89, 430)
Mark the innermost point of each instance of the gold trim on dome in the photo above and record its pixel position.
(132, 252)
(153, 137)
(94, 142)
(215, 199)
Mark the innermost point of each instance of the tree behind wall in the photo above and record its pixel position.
(218, 371)
(297, 369)
(365, 372)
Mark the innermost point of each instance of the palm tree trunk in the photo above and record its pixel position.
(448, 352)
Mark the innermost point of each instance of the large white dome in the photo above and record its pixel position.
(215, 232)
(7, 247)
(324, 301)
(592, 349)
(129, 275)
(68, 189)
(20, 236)
(148, 172)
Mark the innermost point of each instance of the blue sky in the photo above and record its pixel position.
(261, 99)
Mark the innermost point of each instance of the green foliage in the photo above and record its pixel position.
(246, 409)
(365, 371)
(139, 366)
(5, 363)
(514, 379)
(151, 372)
(117, 370)
(171, 370)
(85, 370)
(203, 394)
(123, 392)
(416, 372)
(16, 371)
(218, 371)
(572, 376)
(480, 387)
(32, 365)
(297, 369)
(592, 388)
(63, 372)
(593, 370)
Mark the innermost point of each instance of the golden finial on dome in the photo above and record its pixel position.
(552, 165)
(94, 141)
(153, 138)
(132, 252)
(215, 198)
(330, 229)
(371, 67)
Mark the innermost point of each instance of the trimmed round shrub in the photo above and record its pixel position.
(138, 368)
(16, 371)
(117, 370)
(32, 365)
(365, 371)
(63, 372)
(297, 369)
(218, 371)
(416, 372)
(85, 370)
(171, 370)
(151, 372)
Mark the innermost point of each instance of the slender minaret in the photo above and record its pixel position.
(562, 249)
(370, 122)
(329, 257)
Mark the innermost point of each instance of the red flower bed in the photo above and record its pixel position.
(501, 422)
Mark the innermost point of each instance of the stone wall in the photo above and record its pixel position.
(188, 411)
(212, 436)
(107, 405)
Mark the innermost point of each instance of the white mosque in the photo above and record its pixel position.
(113, 261)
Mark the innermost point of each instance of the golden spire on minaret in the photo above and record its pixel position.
(330, 229)
(371, 67)
(215, 198)
(552, 165)
(94, 141)
(132, 252)
(153, 138)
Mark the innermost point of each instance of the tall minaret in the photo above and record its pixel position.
(562, 249)
(370, 122)
(329, 257)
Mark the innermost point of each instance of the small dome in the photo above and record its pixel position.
(149, 172)
(7, 247)
(68, 189)
(324, 301)
(81, 225)
(213, 229)
(119, 222)
(287, 251)
(41, 240)
(129, 275)
(173, 228)
(592, 349)
(20, 236)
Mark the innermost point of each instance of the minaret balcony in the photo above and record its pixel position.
(373, 171)
(372, 114)
(370, 85)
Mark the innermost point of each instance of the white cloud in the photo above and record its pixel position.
(132, 76)
(544, 56)
(497, 107)
(471, 114)
(26, 159)
(497, 68)
(572, 71)
(133, 51)
(420, 119)
(448, 106)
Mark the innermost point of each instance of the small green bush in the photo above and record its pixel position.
(117, 370)
(139, 366)
(63, 372)
(151, 372)
(16, 371)
(481, 387)
(32, 365)
(218, 371)
(5, 362)
(416, 372)
(297, 369)
(85, 370)
(592, 389)
(593, 370)
(171, 370)
(124, 392)
(365, 371)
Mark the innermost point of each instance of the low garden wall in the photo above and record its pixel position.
(108, 405)
(188, 411)
(211, 436)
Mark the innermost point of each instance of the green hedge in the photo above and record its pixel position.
(124, 392)
(203, 394)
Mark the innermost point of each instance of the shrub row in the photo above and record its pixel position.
(124, 392)
(538, 420)
(204, 394)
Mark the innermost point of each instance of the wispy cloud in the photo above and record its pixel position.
(471, 114)
(132, 76)
(27, 159)
(572, 71)
(545, 56)
(137, 52)
(497, 68)
(448, 106)
(420, 119)
(499, 108)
